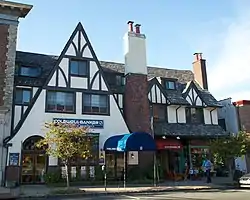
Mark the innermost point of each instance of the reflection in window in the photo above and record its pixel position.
(78, 68)
(94, 103)
(30, 71)
(22, 96)
(60, 101)
(30, 143)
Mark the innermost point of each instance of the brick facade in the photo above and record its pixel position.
(137, 111)
(243, 112)
(4, 32)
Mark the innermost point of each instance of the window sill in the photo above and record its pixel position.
(89, 113)
(56, 111)
(79, 76)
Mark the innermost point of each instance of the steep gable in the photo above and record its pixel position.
(196, 96)
(59, 77)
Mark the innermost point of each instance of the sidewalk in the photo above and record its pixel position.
(35, 191)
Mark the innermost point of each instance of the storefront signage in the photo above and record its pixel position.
(13, 159)
(82, 122)
(172, 146)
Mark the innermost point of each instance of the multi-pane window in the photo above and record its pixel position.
(60, 101)
(29, 71)
(22, 96)
(194, 115)
(78, 68)
(170, 85)
(95, 104)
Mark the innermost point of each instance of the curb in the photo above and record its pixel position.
(92, 194)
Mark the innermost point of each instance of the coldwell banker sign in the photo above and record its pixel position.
(82, 122)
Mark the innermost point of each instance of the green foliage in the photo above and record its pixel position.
(52, 177)
(224, 149)
(66, 141)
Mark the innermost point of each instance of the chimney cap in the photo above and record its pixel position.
(130, 22)
(137, 25)
(197, 53)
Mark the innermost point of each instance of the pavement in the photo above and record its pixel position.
(216, 194)
(42, 191)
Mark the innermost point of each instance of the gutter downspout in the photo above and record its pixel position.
(211, 118)
(177, 114)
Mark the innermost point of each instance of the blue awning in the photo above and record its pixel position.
(138, 141)
(111, 143)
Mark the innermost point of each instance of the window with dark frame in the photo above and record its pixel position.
(60, 101)
(22, 96)
(29, 71)
(120, 80)
(95, 104)
(170, 85)
(79, 68)
(194, 115)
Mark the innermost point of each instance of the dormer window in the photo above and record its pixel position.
(170, 85)
(120, 80)
(29, 71)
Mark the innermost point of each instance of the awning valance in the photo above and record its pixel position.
(138, 141)
(168, 144)
(111, 143)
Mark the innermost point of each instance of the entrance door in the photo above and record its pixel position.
(33, 168)
(34, 161)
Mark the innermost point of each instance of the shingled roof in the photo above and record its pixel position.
(183, 76)
(46, 62)
(186, 130)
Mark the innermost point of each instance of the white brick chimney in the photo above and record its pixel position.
(135, 50)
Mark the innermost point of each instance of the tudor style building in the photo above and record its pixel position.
(113, 99)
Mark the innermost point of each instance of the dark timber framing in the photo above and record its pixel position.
(193, 99)
(79, 52)
(155, 83)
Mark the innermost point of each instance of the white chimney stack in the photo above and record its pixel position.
(135, 50)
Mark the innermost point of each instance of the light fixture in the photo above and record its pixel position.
(132, 156)
(178, 138)
(164, 137)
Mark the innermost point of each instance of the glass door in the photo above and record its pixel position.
(27, 168)
(39, 168)
(33, 168)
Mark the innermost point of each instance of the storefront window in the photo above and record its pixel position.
(197, 156)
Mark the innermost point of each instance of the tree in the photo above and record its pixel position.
(224, 150)
(66, 141)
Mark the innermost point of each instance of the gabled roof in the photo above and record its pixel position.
(45, 62)
(173, 97)
(205, 95)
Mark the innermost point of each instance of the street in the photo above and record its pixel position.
(196, 195)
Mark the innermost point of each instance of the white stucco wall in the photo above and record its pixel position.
(34, 124)
(135, 53)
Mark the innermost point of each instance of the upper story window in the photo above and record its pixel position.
(23, 96)
(170, 85)
(120, 80)
(79, 68)
(194, 115)
(29, 71)
(60, 102)
(95, 104)
(160, 112)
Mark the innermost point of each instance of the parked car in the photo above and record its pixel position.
(244, 181)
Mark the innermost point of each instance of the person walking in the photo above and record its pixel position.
(207, 165)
